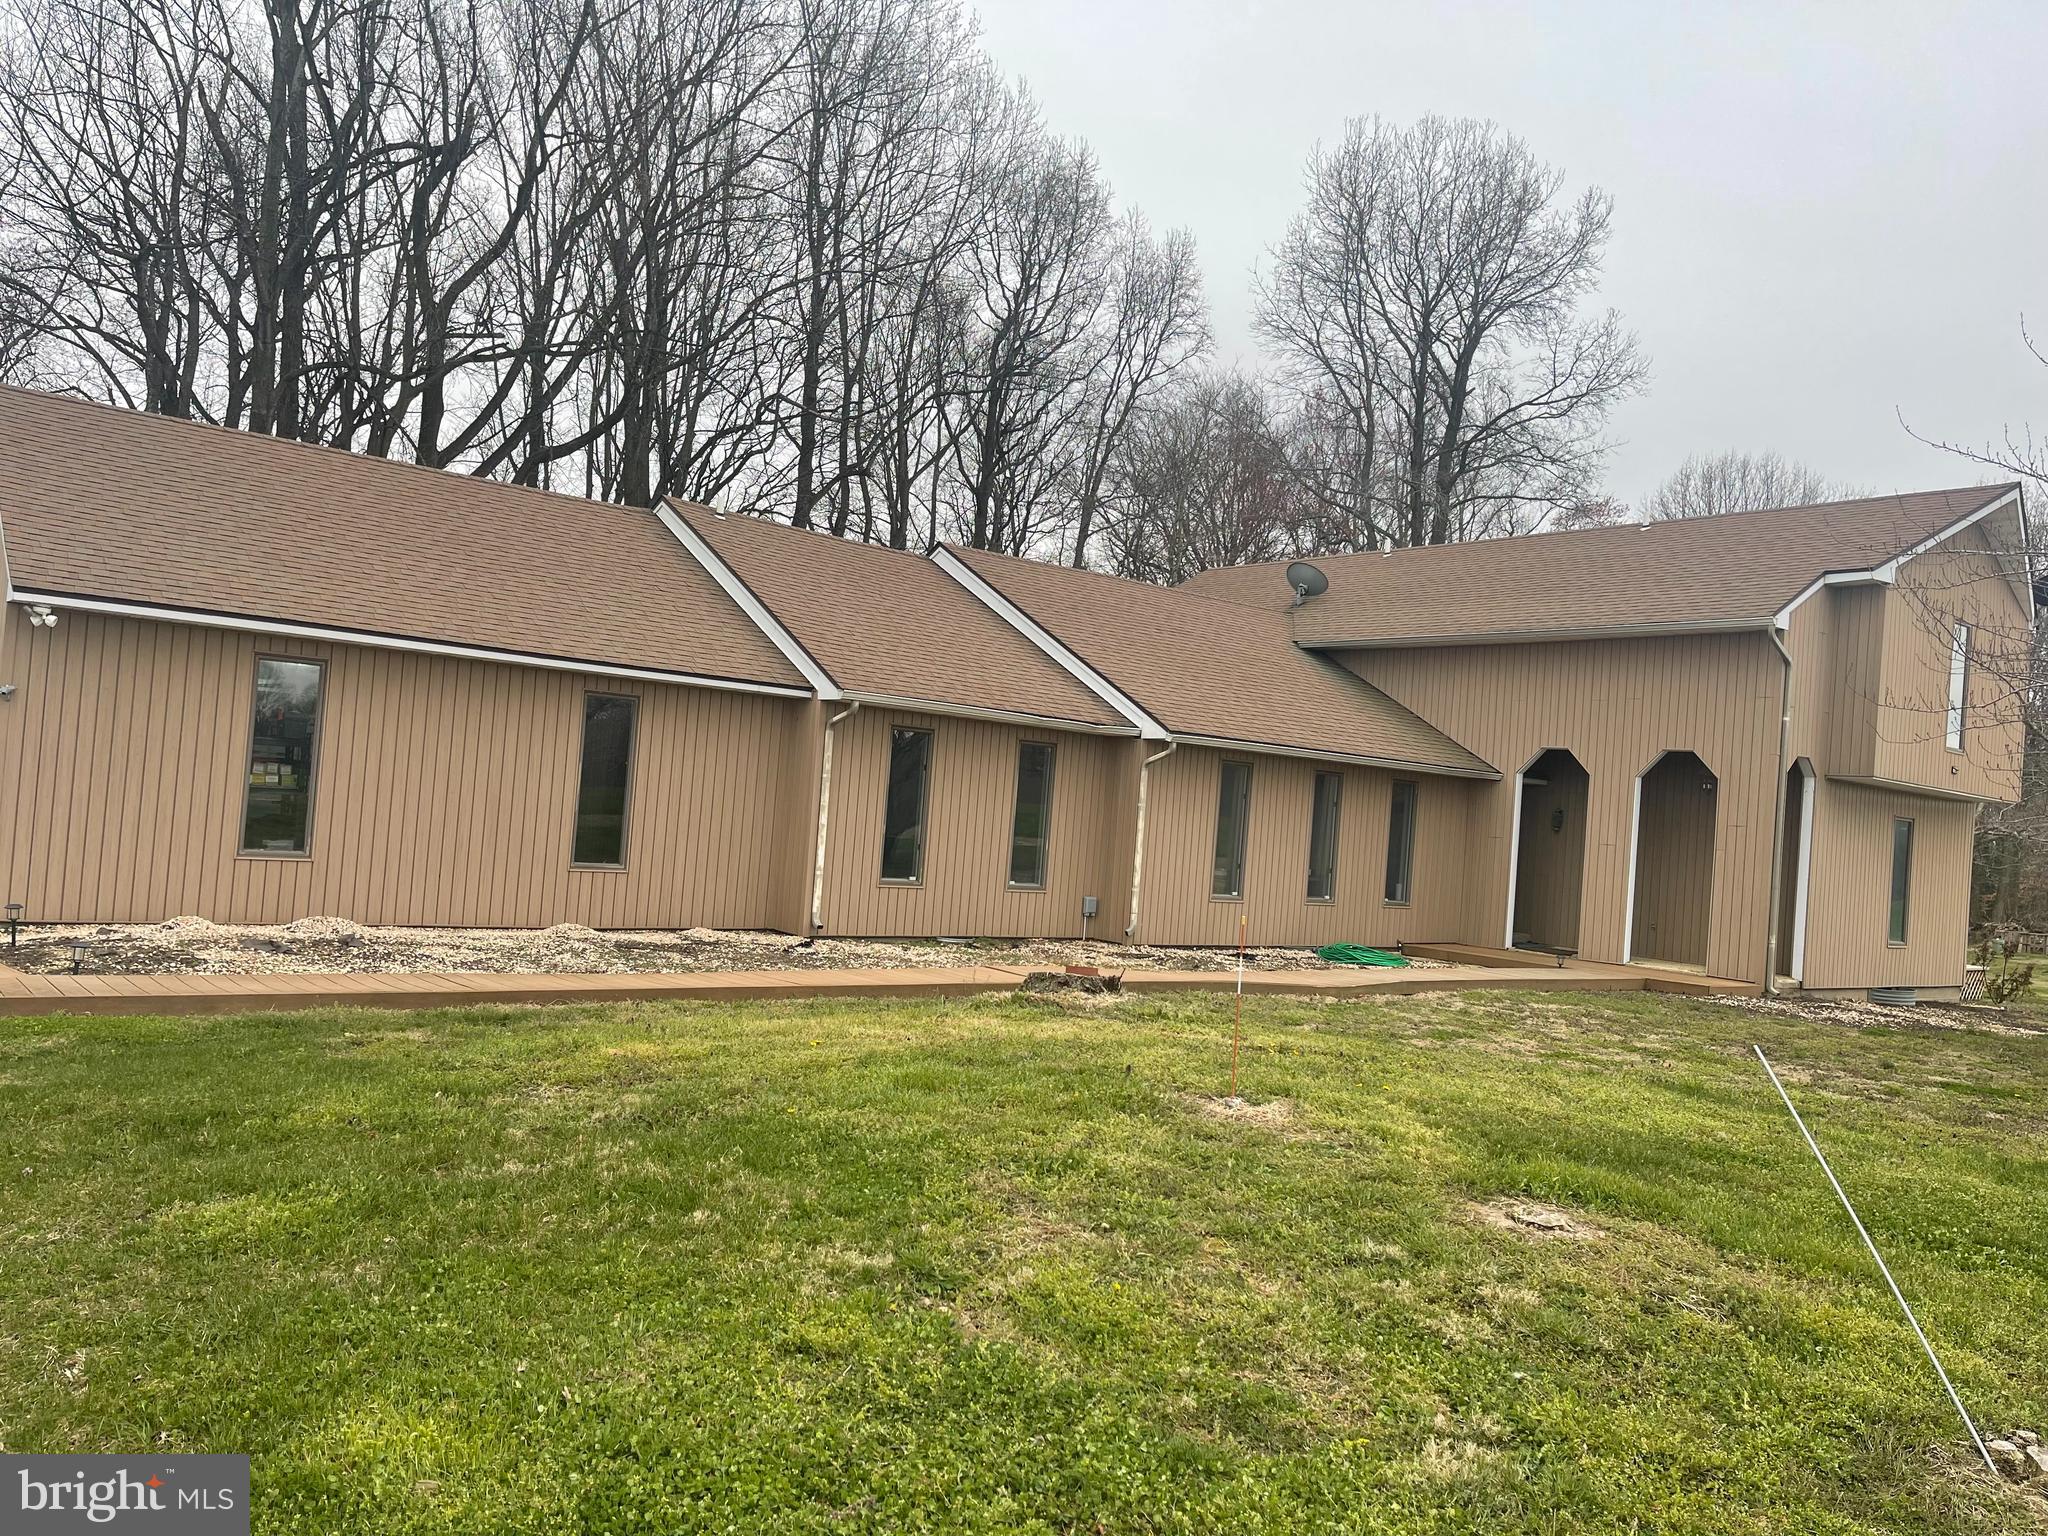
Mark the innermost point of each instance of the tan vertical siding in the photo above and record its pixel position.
(1850, 896)
(1180, 850)
(971, 797)
(1615, 705)
(444, 790)
(1959, 583)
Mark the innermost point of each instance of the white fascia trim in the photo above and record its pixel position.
(1398, 765)
(998, 716)
(1541, 636)
(729, 582)
(1148, 728)
(1902, 787)
(1887, 574)
(379, 642)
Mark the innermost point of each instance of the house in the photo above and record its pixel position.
(258, 680)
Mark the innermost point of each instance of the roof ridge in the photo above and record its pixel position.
(768, 520)
(2000, 486)
(1179, 589)
(375, 461)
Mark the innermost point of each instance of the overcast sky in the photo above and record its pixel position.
(1825, 215)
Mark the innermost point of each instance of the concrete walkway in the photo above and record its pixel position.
(21, 993)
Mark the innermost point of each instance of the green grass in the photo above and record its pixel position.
(993, 1266)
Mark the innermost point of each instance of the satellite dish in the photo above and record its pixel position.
(1307, 580)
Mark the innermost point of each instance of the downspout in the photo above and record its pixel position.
(824, 817)
(1138, 852)
(1778, 820)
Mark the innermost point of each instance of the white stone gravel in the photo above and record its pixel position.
(335, 944)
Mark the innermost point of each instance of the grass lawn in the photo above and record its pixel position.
(999, 1265)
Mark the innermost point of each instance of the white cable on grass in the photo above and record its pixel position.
(1897, 1295)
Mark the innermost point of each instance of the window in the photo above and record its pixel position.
(1322, 838)
(607, 775)
(1030, 823)
(277, 809)
(1401, 843)
(910, 769)
(1233, 823)
(1902, 878)
(1958, 685)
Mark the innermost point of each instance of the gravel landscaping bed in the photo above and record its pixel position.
(187, 945)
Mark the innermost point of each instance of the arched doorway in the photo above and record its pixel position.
(1673, 873)
(1548, 869)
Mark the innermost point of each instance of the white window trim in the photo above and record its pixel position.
(1958, 684)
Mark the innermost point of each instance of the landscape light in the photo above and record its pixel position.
(14, 911)
(78, 949)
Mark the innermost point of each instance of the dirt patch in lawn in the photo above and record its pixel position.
(1528, 1218)
(193, 945)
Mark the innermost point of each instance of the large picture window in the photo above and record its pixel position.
(910, 771)
(1902, 880)
(1031, 821)
(277, 807)
(1401, 844)
(601, 797)
(1233, 824)
(1322, 837)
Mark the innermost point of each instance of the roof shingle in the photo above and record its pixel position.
(1205, 667)
(885, 621)
(100, 502)
(1731, 571)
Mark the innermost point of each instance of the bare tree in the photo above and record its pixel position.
(1430, 306)
(1707, 485)
(1203, 479)
(1155, 326)
(1034, 270)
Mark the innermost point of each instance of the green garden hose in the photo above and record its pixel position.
(1358, 954)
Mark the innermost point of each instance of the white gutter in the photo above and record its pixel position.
(743, 596)
(380, 642)
(824, 818)
(1778, 820)
(1928, 791)
(1149, 729)
(999, 716)
(1138, 849)
(1398, 765)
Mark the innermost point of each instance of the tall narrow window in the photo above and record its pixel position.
(1902, 879)
(607, 778)
(277, 809)
(1322, 838)
(1401, 844)
(910, 771)
(1233, 824)
(1958, 684)
(1031, 822)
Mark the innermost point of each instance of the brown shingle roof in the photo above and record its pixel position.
(1204, 667)
(884, 621)
(106, 503)
(1731, 571)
